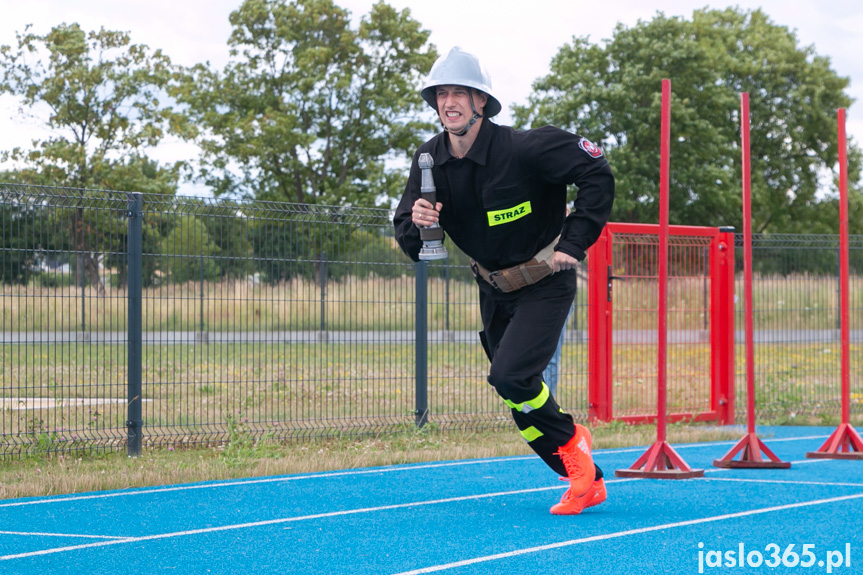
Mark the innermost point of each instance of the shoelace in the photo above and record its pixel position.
(568, 492)
(571, 463)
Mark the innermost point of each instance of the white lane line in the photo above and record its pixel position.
(119, 539)
(353, 472)
(782, 481)
(723, 469)
(75, 535)
(710, 444)
(793, 463)
(242, 482)
(466, 562)
(324, 515)
(799, 462)
(288, 520)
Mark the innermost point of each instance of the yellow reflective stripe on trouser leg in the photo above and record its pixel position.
(530, 434)
(531, 404)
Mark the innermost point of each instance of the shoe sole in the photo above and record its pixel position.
(593, 503)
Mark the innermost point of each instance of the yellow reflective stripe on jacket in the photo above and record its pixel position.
(531, 404)
(498, 217)
(531, 433)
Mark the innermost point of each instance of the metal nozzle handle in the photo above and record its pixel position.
(433, 248)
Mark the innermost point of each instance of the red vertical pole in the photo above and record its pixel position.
(747, 264)
(662, 335)
(750, 446)
(845, 442)
(844, 270)
(660, 461)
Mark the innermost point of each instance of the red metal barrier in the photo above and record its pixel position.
(622, 317)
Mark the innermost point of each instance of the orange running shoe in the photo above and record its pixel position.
(578, 461)
(597, 493)
(574, 505)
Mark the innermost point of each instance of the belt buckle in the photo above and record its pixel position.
(493, 283)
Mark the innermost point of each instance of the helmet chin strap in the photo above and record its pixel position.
(471, 122)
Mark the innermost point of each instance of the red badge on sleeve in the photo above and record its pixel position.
(590, 148)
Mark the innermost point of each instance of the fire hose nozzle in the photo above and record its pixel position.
(432, 236)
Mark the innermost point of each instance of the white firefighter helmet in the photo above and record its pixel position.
(460, 68)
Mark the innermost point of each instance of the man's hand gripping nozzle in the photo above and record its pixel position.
(432, 236)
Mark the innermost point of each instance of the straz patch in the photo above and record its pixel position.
(590, 148)
(508, 215)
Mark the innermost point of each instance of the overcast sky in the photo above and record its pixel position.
(515, 40)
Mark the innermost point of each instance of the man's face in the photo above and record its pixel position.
(453, 105)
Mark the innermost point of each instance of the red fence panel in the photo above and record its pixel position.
(623, 324)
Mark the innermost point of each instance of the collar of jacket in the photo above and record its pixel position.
(478, 153)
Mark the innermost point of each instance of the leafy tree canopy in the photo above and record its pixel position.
(611, 94)
(309, 109)
(102, 98)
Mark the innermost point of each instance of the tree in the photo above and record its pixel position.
(103, 99)
(17, 221)
(308, 110)
(611, 94)
(191, 254)
(229, 229)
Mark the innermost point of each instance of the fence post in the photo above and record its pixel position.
(446, 324)
(421, 346)
(201, 296)
(323, 281)
(134, 260)
(837, 336)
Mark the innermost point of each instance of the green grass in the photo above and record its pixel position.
(243, 456)
(192, 393)
(786, 302)
(295, 305)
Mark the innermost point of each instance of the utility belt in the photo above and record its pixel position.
(522, 275)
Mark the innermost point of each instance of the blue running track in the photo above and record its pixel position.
(485, 516)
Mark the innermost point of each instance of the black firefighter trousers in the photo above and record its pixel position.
(520, 334)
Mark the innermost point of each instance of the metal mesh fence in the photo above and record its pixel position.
(263, 319)
(635, 324)
(274, 320)
(62, 367)
(625, 372)
(796, 326)
(287, 321)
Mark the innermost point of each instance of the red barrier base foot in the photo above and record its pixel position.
(845, 443)
(750, 448)
(660, 461)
